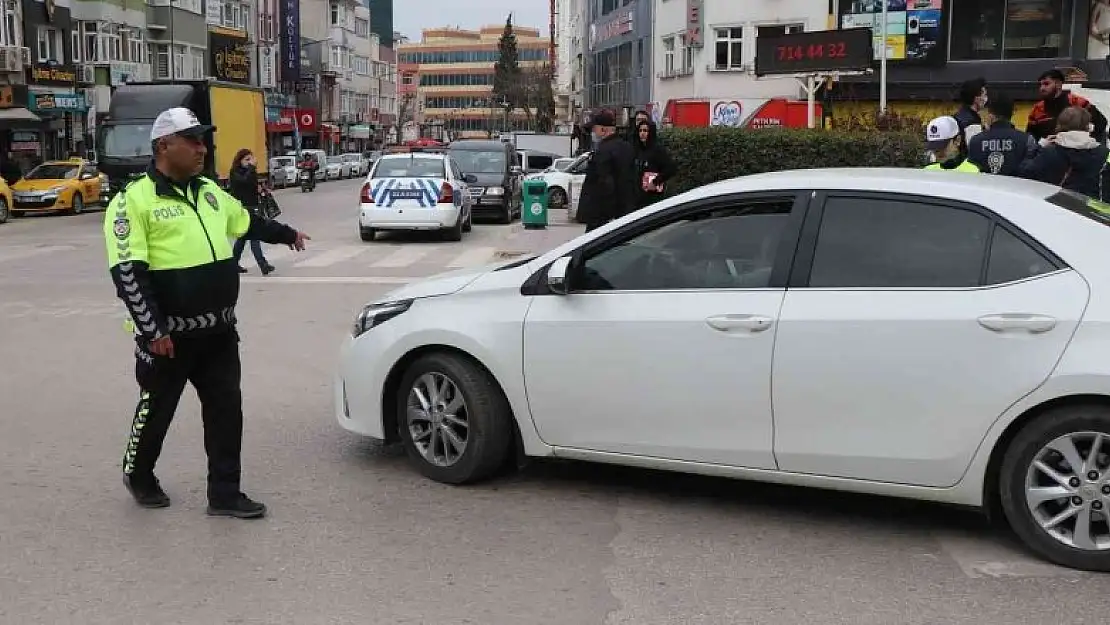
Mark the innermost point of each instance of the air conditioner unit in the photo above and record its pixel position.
(88, 74)
(10, 61)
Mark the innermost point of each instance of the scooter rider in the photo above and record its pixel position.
(308, 165)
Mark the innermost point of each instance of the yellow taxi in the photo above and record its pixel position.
(5, 200)
(69, 186)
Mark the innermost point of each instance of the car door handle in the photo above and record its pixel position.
(1033, 324)
(732, 323)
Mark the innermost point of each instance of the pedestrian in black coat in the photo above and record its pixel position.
(654, 165)
(1072, 158)
(609, 190)
(244, 186)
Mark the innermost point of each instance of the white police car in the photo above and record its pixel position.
(415, 191)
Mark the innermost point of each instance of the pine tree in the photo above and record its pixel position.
(506, 73)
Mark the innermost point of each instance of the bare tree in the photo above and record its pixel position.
(535, 94)
(406, 112)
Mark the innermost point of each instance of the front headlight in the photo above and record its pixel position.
(495, 190)
(377, 314)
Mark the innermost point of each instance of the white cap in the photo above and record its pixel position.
(940, 131)
(178, 121)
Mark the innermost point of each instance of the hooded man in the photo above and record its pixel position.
(1072, 159)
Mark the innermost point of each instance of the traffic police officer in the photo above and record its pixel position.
(170, 258)
(943, 138)
(1002, 148)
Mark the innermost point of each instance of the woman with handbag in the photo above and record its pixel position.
(654, 165)
(247, 188)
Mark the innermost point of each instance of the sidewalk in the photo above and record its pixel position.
(522, 241)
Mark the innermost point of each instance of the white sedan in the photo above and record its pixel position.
(415, 191)
(898, 332)
(562, 182)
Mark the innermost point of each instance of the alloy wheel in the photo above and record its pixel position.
(1067, 490)
(438, 419)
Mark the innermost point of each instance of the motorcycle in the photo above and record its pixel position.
(306, 180)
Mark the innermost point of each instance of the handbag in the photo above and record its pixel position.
(270, 208)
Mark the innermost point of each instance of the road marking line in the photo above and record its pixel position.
(473, 258)
(404, 257)
(329, 280)
(983, 557)
(333, 256)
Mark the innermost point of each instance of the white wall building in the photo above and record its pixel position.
(723, 69)
(570, 27)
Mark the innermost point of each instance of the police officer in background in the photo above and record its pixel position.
(171, 261)
(1002, 148)
(944, 139)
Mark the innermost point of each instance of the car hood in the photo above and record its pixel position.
(39, 185)
(442, 284)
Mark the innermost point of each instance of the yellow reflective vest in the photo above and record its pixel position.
(170, 254)
(965, 166)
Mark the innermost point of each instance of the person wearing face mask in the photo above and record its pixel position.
(244, 186)
(654, 164)
(1072, 158)
(973, 99)
(1001, 149)
(944, 140)
(171, 262)
(609, 190)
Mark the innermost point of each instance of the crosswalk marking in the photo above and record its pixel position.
(332, 256)
(404, 256)
(474, 257)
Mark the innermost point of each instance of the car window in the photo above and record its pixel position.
(1013, 259)
(409, 168)
(877, 243)
(536, 162)
(722, 248)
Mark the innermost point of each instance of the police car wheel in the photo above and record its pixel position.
(453, 419)
(367, 234)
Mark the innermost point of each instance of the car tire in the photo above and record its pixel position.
(78, 206)
(367, 234)
(506, 216)
(1036, 442)
(4, 211)
(455, 232)
(469, 225)
(487, 417)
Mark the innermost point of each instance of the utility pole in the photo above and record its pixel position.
(882, 62)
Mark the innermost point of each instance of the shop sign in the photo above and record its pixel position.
(228, 58)
(305, 119)
(62, 102)
(277, 100)
(622, 23)
(120, 72)
(695, 37)
(267, 67)
(57, 74)
(279, 120)
(289, 12)
(7, 97)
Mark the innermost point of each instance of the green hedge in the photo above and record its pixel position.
(705, 155)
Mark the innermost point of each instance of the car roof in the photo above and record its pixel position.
(408, 155)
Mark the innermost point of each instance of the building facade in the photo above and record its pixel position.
(381, 21)
(448, 77)
(705, 66)
(350, 52)
(570, 36)
(618, 56)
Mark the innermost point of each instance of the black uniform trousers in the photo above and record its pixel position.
(211, 364)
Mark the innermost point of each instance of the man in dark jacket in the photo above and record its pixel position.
(973, 97)
(1054, 100)
(1002, 149)
(609, 190)
(1073, 159)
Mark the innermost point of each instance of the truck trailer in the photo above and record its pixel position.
(237, 112)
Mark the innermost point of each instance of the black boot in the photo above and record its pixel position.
(147, 493)
(240, 507)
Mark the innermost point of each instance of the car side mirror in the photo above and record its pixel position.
(470, 179)
(558, 275)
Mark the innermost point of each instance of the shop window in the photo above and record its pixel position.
(1010, 29)
(728, 48)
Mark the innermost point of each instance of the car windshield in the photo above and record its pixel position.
(409, 168)
(125, 141)
(561, 164)
(479, 162)
(1095, 210)
(52, 171)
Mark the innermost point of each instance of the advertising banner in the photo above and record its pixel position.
(290, 27)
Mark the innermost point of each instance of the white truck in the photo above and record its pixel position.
(535, 142)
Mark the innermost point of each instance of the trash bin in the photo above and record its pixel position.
(534, 198)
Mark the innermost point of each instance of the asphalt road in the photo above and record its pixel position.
(354, 536)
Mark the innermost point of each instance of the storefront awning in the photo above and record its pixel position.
(18, 115)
